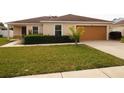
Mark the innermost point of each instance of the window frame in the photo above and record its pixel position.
(33, 29)
(61, 28)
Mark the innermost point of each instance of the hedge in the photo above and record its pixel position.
(1, 35)
(40, 39)
(115, 35)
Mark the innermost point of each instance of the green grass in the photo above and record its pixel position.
(3, 41)
(20, 61)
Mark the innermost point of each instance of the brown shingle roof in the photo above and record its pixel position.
(68, 17)
(34, 20)
(71, 17)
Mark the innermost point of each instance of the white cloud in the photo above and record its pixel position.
(20, 9)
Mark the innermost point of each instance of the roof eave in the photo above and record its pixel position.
(83, 22)
(20, 23)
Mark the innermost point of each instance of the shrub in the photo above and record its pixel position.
(1, 35)
(40, 39)
(116, 35)
(122, 39)
(17, 36)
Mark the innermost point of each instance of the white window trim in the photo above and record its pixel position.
(61, 29)
(35, 26)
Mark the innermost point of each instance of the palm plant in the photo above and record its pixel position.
(76, 33)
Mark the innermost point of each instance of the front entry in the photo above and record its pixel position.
(23, 30)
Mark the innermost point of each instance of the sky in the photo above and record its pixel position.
(11, 10)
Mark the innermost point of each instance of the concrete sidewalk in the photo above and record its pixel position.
(110, 72)
(11, 44)
(15, 44)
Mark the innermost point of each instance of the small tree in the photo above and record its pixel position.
(76, 33)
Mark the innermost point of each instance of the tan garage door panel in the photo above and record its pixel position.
(94, 33)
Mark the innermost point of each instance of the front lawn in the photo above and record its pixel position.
(3, 41)
(20, 61)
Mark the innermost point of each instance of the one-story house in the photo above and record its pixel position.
(118, 26)
(95, 29)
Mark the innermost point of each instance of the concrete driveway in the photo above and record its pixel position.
(111, 47)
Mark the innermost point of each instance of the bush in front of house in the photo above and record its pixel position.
(115, 35)
(122, 39)
(17, 36)
(1, 36)
(40, 39)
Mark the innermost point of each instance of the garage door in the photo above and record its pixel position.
(94, 33)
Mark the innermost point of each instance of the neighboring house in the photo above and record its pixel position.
(6, 33)
(95, 29)
(118, 26)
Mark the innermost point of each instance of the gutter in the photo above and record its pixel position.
(74, 22)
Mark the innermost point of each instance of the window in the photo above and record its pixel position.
(58, 30)
(35, 30)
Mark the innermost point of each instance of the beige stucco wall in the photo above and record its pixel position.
(17, 30)
(46, 28)
(118, 28)
(49, 28)
(66, 30)
(30, 27)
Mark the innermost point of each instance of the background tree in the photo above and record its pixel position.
(2, 26)
(76, 33)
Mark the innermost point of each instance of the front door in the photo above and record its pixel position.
(23, 30)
